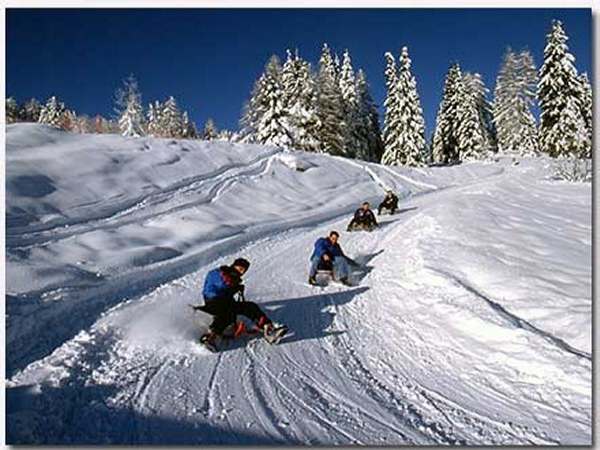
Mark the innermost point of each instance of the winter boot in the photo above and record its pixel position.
(273, 332)
(209, 340)
(312, 281)
(345, 281)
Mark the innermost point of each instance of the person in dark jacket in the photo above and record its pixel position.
(220, 288)
(328, 252)
(390, 202)
(363, 218)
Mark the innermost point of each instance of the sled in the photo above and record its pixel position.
(240, 331)
(360, 227)
(387, 211)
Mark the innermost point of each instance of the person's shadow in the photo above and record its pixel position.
(310, 317)
(391, 218)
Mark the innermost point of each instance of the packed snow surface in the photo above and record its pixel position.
(471, 323)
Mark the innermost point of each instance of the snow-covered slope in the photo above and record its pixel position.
(472, 324)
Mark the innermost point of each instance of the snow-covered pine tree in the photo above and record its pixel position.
(514, 96)
(562, 125)
(299, 100)
(527, 81)
(587, 111)
(330, 107)
(470, 134)
(52, 113)
(155, 122)
(228, 136)
(265, 120)
(188, 127)
(391, 103)
(225, 136)
(12, 110)
(128, 106)
(369, 130)
(505, 99)
(405, 130)
(352, 140)
(171, 119)
(210, 131)
(475, 85)
(30, 112)
(445, 149)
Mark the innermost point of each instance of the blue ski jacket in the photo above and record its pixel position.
(324, 245)
(221, 283)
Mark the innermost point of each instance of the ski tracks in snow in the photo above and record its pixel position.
(200, 190)
(322, 385)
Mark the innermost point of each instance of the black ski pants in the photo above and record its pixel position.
(225, 311)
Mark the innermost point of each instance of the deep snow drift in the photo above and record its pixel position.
(471, 324)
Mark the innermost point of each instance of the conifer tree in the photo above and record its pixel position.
(83, 124)
(299, 100)
(68, 120)
(171, 119)
(265, 119)
(562, 124)
(514, 96)
(347, 81)
(12, 110)
(405, 129)
(30, 111)
(155, 119)
(52, 113)
(188, 127)
(476, 87)
(391, 103)
(470, 134)
(369, 130)
(587, 111)
(210, 130)
(330, 107)
(445, 148)
(129, 109)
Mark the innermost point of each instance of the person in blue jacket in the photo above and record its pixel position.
(220, 288)
(328, 251)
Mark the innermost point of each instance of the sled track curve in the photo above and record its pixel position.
(213, 186)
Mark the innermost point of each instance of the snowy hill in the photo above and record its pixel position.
(472, 325)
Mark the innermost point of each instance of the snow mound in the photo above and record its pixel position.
(295, 162)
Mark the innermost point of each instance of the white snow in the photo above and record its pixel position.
(472, 324)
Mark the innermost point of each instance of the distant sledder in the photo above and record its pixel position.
(364, 219)
(329, 259)
(389, 203)
(221, 286)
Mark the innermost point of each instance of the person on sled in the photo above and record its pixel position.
(221, 285)
(390, 202)
(363, 219)
(328, 255)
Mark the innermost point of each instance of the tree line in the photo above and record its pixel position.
(330, 110)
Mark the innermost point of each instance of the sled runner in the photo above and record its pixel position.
(240, 330)
(383, 210)
(360, 227)
(325, 278)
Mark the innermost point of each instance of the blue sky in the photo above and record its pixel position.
(209, 58)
